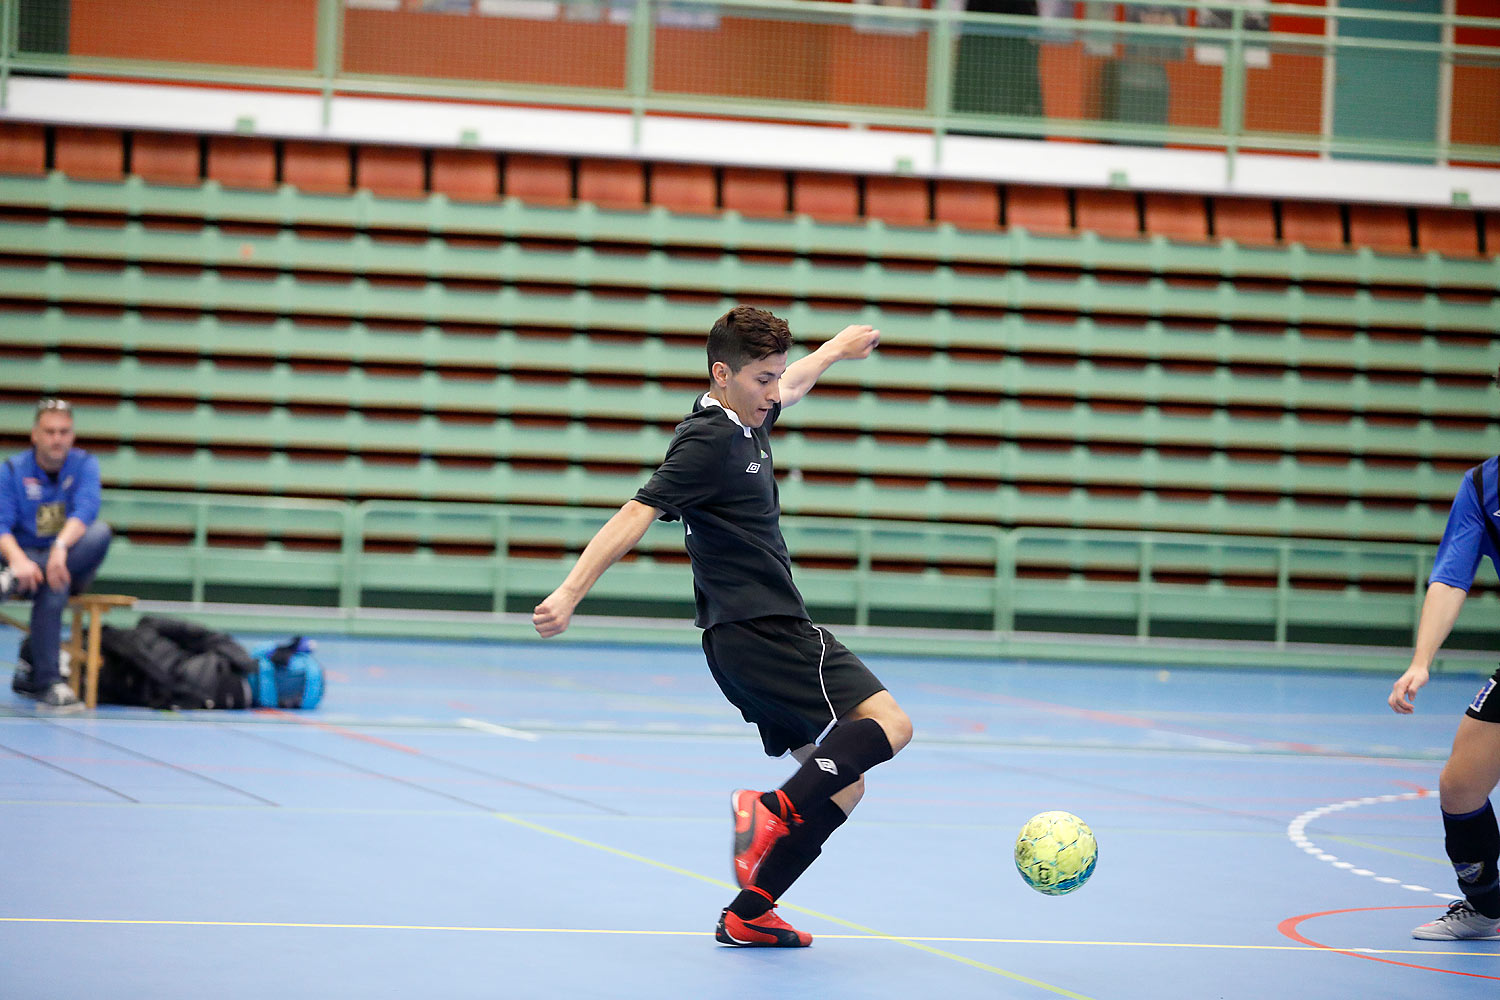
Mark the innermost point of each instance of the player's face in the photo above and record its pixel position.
(753, 390)
(52, 437)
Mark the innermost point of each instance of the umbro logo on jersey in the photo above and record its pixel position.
(825, 764)
(753, 467)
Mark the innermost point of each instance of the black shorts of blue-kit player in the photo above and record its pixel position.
(787, 676)
(1486, 704)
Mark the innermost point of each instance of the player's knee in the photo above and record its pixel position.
(897, 726)
(1460, 791)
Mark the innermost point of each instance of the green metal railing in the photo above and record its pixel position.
(200, 546)
(1343, 81)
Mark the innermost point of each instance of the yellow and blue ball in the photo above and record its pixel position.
(1056, 852)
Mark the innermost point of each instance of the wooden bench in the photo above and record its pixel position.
(82, 646)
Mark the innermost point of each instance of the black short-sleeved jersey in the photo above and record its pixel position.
(717, 477)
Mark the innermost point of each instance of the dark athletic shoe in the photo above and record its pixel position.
(756, 829)
(765, 931)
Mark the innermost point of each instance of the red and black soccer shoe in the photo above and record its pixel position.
(765, 931)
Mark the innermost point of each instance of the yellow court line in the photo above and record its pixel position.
(1352, 842)
(873, 936)
(908, 942)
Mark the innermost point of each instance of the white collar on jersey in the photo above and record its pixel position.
(709, 400)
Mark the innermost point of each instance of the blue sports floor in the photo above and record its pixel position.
(551, 821)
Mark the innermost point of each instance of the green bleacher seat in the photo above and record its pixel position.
(467, 357)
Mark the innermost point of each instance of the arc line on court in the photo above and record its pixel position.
(1296, 832)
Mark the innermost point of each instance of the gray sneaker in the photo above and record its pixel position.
(58, 697)
(1461, 923)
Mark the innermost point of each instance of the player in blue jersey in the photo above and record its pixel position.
(806, 692)
(1473, 769)
(51, 541)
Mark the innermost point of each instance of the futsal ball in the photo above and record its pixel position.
(1056, 852)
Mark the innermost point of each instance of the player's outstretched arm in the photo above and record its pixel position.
(850, 344)
(1439, 611)
(617, 537)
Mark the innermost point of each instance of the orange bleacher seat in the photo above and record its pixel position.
(466, 174)
(1108, 213)
(1244, 220)
(316, 166)
(1492, 233)
(91, 154)
(1380, 227)
(1176, 216)
(755, 192)
(684, 187)
(619, 183)
(901, 201)
(826, 197)
(1450, 231)
(242, 162)
(165, 157)
(1311, 223)
(23, 148)
(1039, 209)
(547, 179)
(967, 204)
(390, 171)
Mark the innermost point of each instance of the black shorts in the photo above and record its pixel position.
(1486, 704)
(787, 676)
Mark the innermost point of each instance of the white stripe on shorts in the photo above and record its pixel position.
(822, 652)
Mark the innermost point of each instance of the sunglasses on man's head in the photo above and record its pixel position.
(54, 405)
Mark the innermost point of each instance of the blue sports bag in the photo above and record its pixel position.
(287, 675)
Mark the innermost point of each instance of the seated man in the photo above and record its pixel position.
(50, 543)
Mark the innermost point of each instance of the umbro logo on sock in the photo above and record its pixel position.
(753, 467)
(826, 765)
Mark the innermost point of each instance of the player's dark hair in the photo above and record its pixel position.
(745, 334)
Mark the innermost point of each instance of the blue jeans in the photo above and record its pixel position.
(48, 605)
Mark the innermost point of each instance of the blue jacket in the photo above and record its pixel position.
(35, 504)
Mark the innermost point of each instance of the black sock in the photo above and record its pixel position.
(786, 861)
(1473, 845)
(847, 752)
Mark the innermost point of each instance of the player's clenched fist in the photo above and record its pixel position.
(552, 616)
(856, 342)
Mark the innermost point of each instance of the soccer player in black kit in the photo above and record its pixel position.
(808, 694)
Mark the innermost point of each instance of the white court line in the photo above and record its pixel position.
(1296, 832)
(494, 730)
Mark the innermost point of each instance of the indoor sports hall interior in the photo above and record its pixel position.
(374, 311)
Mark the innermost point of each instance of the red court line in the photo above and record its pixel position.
(1288, 927)
(340, 730)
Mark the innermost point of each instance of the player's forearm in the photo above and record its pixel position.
(1440, 611)
(803, 374)
(618, 536)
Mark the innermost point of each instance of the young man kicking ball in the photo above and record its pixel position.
(807, 693)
